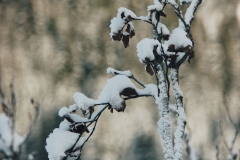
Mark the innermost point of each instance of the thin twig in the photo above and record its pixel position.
(155, 73)
(187, 26)
(94, 127)
(224, 141)
(217, 153)
(36, 106)
(137, 96)
(97, 104)
(142, 20)
(1, 92)
(71, 149)
(94, 120)
(135, 79)
(132, 77)
(13, 115)
(232, 122)
(227, 109)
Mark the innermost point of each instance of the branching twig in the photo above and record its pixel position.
(189, 16)
(229, 148)
(80, 148)
(94, 127)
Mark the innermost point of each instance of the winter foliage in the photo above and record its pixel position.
(11, 143)
(165, 52)
(7, 138)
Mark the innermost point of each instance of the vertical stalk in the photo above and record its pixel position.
(181, 123)
(164, 124)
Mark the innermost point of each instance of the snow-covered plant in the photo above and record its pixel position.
(164, 52)
(11, 142)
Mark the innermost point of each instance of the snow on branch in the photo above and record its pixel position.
(181, 123)
(64, 140)
(125, 73)
(157, 6)
(179, 43)
(185, 23)
(124, 17)
(179, 40)
(163, 31)
(145, 49)
(164, 124)
(72, 134)
(189, 16)
(172, 2)
(75, 126)
(116, 86)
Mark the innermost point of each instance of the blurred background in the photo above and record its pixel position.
(50, 49)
